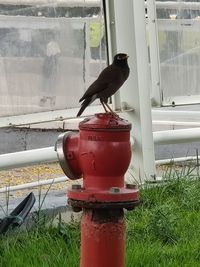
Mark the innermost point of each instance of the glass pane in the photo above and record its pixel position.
(179, 44)
(49, 54)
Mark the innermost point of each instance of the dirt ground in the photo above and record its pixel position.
(33, 174)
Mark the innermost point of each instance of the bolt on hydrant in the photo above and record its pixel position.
(100, 154)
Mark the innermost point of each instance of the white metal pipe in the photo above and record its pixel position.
(178, 115)
(32, 157)
(63, 3)
(177, 123)
(177, 5)
(44, 155)
(33, 184)
(176, 136)
(26, 158)
(48, 116)
(173, 160)
(61, 115)
(94, 3)
(154, 53)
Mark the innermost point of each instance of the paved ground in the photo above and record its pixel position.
(50, 198)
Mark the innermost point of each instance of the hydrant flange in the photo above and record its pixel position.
(63, 157)
(82, 197)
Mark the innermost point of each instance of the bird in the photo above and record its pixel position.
(108, 83)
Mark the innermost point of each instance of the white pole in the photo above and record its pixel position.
(154, 53)
(33, 184)
(186, 124)
(176, 136)
(62, 3)
(174, 160)
(128, 30)
(177, 5)
(26, 158)
(32, 157)
(177, 115)
(112, 45)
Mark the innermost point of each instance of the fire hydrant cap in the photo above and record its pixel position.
(105, 121)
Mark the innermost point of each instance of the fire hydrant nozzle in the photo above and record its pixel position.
(100, 153)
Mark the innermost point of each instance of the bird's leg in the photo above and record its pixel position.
(103, 104)
(115, 114)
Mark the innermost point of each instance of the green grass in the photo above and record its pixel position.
(42, 248)
(163, 231)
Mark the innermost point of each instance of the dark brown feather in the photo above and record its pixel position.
(108, 82)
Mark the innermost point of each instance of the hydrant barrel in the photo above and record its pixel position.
(103, 238)
(105, 151)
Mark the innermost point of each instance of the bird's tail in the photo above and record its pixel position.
(84, 105)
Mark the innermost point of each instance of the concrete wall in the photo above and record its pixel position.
(19, 139)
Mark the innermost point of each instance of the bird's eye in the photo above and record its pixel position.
(120, 57)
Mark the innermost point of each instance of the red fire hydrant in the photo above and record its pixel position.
(100, 153)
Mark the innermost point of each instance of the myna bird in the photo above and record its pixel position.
(107, 84)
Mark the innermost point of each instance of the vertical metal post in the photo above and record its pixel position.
(87, 52)
(102, 238)
(112, 44)
(127, 24)
(154, 53)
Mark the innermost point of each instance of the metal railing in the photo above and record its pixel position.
(176, 5)
(33, 184)
(48, 154)
(62, 3)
